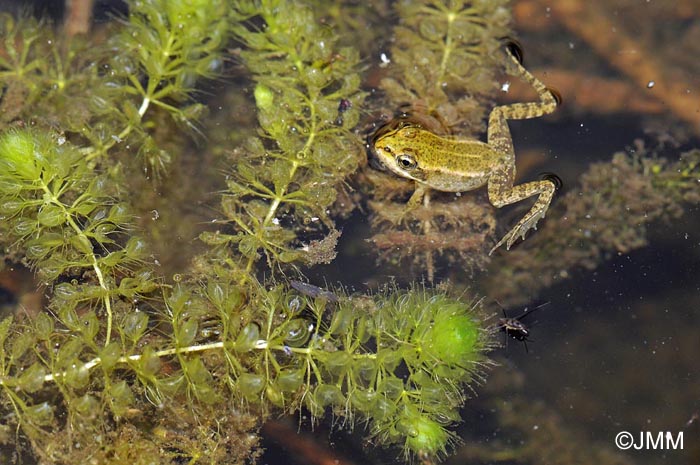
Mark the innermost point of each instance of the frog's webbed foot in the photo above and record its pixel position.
(524, 225)
(544, 188)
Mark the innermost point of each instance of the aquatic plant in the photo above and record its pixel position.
(125, 366)
(152, 62)
(283, 184)
(399, 361)
(441, 71)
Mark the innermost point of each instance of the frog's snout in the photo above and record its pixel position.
(372, 157)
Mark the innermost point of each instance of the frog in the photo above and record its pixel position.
(447, 164)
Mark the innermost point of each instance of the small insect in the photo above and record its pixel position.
(515, 328)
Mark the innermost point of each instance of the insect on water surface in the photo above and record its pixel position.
(515, 328)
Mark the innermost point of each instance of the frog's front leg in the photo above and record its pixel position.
(503, 192)
(413, 202)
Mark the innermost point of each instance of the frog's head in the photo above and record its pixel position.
(393, 148)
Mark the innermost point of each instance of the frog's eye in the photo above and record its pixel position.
(406, 162)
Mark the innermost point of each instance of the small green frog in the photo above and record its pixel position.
(450, 165)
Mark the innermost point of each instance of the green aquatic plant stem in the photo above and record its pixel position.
(284, 182)
(54, 199)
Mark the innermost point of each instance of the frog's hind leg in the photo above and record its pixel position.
(500, 187)
(498, 133)
(500, 195)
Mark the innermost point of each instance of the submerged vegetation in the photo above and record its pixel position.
(125, 360)
(442, 72)
(125, 365)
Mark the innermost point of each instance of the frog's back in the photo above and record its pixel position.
(458, 165)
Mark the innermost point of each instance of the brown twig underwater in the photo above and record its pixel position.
(631, 56)
(305, 447)
(591, 94)
(78, 16)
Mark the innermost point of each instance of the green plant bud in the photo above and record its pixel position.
(365, 371)
(50, 269)
(250, 385)
(51, 215)
(112, 259)
(69, 318)
(136, 248)
(389, 359)
(65, 291)
(298, 331)
(193, 112)
(390, 387)
(248, 337)
(425, 436)
(248, 246)
(81, 244)
(24, 227)
(186, 332)
(121, 397)
(341, 321)
(43, 325)
(337, 363)
(10, 188)
(37, 249)
(382, 408)
(149, 364)
(170, 386)
(40, 414)
(197, 373)
(134, 325)
(290, 380)
(12, 207)
(290, 256)
(5, 325)
(103, 230)
(363, 400)
(20, 344)
(445, 416)
(109, 355)
(295, 304)
(453, 340)
(87, 405)
(129, 287)
(264, 97)
(216, 293)
(274, 395)
(69, 353)
(326, 395)
(17, 152)
(76, 374)
(33, 378)
(90, 325)
(119, 214)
